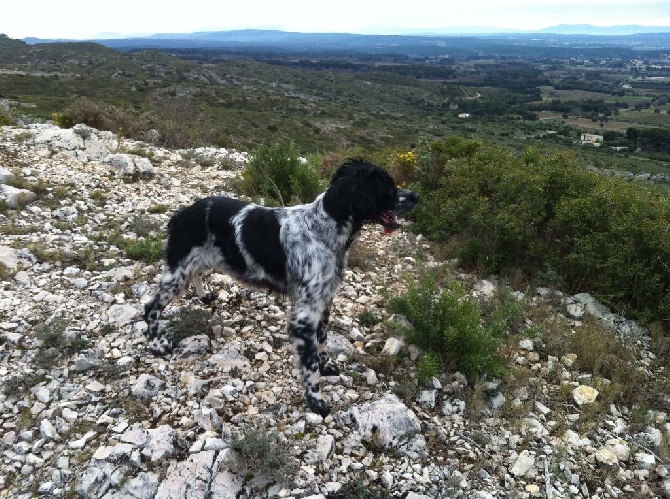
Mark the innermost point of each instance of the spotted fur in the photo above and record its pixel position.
(299, 251)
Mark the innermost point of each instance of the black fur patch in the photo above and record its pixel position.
(187, 228)
(260, 236)
(221, 210)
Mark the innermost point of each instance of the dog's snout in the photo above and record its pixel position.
(407, 201)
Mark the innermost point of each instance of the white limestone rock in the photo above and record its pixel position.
(386, 421)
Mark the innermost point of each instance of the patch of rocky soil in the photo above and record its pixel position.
(86, 411)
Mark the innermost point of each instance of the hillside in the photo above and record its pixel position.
(87, 412)
(539, 92)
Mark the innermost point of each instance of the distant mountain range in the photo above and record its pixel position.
(409, 43)
(588, 29)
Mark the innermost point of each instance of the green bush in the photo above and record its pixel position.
(428, 366)
(145, 249)
(277, 172)
(102, 116)
(616, 241)
(538, 212)
(446, 322)
(158, 208)
(190, 322)
(6, 117)
(63, 120)
(359, 488)
(262, 453)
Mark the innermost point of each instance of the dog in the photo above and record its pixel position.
(299, 251)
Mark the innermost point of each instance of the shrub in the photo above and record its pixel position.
(367, 318)
(54, 342)
(446, 322)
(158, 208)
(190, 322)
(144, 226)
(277, 172)
(142, 151)
(5, 117)
(405, 389)
(403, 167)
(84, 133)
(145, 249)
(428, 366)
(615, 241)
(542, 213)
(356, 488)
(262, 453)
(62, 120)
(103, 116)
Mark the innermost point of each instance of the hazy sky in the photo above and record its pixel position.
(88, 18)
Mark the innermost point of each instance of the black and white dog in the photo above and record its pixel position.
(299, 251)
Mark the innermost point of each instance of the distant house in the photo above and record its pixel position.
(591, 139)
(464, 115)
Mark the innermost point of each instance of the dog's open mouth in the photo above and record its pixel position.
(389, 222)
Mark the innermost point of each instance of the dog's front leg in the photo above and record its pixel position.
(207, 297)
(302, 329)
(326, 366)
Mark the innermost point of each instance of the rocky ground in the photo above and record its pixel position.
(86, 411)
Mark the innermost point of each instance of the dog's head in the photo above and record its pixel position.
(368, 194)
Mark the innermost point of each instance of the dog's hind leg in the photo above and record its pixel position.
(207, 297)
(172, 283)
(302, 327)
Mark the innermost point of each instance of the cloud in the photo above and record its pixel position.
(79, 18)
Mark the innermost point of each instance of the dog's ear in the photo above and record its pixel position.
(356, 190)
(337, 200)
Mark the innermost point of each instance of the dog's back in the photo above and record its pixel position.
(191, 226)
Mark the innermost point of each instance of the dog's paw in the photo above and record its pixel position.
(209, 297)
(160, 347)
(329, 369)
(318, 406)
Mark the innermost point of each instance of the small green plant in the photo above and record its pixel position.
(84, 133)
(428, 366)
(602, 353)
(447, 322)
(24, 137)
(142, 151)
(146, 249)
(98, 195)
(54, 343)
(120, 137)
(278, 173)
(262, 453)
(5, 273)
(39, 187)
(52, 334)
(204, 160)
(367, 318)
(190, 322)
(133, 178)
(355, 488)
(405, 389)
(144, 226)
(62, 120)
(5, 117)
(18, 385)
(157, 208)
